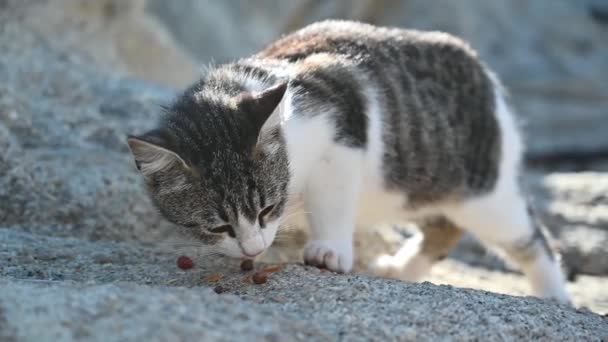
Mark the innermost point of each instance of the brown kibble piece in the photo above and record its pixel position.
(247, 265)
(214, 278)
(272, 269)
(260, 278)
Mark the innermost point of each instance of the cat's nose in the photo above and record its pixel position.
(253, 246)
(252, 252)
(252, 255)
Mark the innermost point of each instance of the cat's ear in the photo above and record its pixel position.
(151, 153)
(260, 106)
(264, 109)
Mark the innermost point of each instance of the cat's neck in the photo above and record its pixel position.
(307, 137)
(250, 74)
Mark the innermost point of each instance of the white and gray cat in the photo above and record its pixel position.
(362, 124)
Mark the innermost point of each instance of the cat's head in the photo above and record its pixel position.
(217, 167)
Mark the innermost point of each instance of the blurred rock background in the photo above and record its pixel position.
(553, 56)
(77, 75)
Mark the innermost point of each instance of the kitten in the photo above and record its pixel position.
(363, 124)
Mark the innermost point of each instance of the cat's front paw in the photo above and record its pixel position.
(336, 256)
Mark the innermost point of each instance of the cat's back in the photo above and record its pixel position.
(363, 43)
(422, 100)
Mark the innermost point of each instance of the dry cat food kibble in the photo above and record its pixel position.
(247, 265)
(185, 263)
(260, 277)
(214, 278)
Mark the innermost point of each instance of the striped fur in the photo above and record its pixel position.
(440, 134)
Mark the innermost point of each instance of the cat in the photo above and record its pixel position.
(361, 124)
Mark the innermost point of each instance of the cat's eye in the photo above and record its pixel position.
(226, 228)
(264, 213)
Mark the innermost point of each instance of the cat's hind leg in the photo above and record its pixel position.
(415, 258)
(502, 220)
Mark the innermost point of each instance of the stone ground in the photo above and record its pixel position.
(83, 256)
(69, 289)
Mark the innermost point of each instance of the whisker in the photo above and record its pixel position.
(181, 245)
(285, 236)
(294, 212)
(282, 236)
(286, 217)
(287, 231)
(282, 241)
(210, 254)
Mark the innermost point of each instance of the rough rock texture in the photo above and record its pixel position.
(116, 35)
(123, 291)
(83, 255)
(557, 73)
(62, 133)
(575, 207)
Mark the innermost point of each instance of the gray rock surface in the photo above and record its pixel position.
(115, 35)
(64, 168)
(553, 56)
(55, 288)
(575, 207)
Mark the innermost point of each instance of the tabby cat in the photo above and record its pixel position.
(360, 124)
